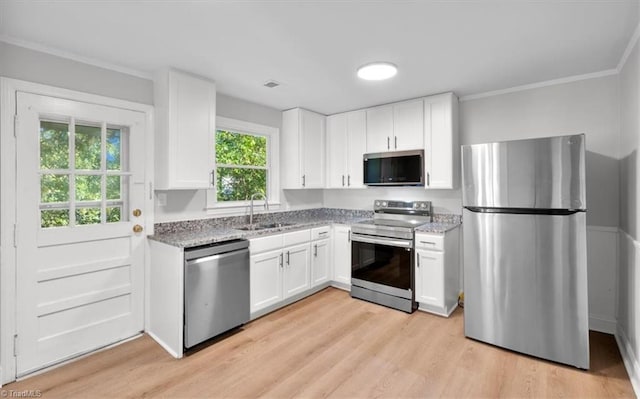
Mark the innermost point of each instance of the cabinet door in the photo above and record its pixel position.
(380, 129)
(192, 129)
(312, 134)
(357, 134)
(439, 143)
(342, 254)
(297, 269)
(266, 279)
(320, 252)
(290, 163)
(430, 278)
(408, 125)
(337, 151)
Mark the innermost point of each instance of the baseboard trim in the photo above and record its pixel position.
(164, 345)
(629, 359)
(602, 324)
(341, 286)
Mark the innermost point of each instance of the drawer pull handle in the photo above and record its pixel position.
(428, 242)
(323, 233)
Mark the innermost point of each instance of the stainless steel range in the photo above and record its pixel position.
(382, 253)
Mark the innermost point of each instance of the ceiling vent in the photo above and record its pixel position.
(271, 84)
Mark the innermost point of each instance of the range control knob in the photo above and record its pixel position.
(384, 203)
(415, 204)
(377, 203)
(423, 205)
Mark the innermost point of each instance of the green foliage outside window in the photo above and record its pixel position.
(54, 188)
(241, 161)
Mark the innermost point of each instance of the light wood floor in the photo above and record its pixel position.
(332, 345)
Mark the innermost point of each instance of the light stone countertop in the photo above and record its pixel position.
(202, 232)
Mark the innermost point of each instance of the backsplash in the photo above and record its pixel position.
(275, 217)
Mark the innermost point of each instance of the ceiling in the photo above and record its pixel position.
(314, 47)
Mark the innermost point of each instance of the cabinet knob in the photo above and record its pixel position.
(137, 228)
(137, 212)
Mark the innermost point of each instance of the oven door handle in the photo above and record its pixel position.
(382, 241)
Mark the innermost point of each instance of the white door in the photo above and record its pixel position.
(320, 262)
(380, 129)
(80, 192)
(430, 278)
(342, 254)
(265, 276)
(408, 125)
(439, 141)
(337, 151)
(357, 131)
(312, 142)
(297, 269)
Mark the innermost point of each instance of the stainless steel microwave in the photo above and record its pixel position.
(397, 168)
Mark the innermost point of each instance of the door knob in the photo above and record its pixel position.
(137, 212)
(137, 228)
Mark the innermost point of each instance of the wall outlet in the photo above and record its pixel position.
(161, 199)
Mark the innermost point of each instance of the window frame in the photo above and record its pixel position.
(273, 164)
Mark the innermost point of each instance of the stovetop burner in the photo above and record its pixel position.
(395, 219)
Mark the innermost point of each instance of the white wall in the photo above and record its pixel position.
(628, 334)
(587, 106)
(34, 66)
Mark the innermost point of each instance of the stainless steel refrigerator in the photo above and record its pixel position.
(525, 261)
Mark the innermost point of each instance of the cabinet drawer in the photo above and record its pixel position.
(318, 233)
(296, 237)
(430, 241)
(268, 243)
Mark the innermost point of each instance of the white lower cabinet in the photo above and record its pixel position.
(286, 267)
(437, 263)
(320, 258)
(342, 256)
(296, 269)
(266, 279)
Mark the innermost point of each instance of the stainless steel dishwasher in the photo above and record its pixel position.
(216, 289)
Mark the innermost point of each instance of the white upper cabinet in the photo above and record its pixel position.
(346, 143)
(442, 150)
(185, 131)
(302, 144)
(337, 151)
(380, 128)
(408, 125)
(395, 127)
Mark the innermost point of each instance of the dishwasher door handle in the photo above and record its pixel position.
(215, 257)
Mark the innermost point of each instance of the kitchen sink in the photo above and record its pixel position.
(264, 226)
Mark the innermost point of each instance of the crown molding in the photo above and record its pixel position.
(74, 57)
(537, 85)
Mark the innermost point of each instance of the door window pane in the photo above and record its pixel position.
(88, 216)
(113, 187)
(114, 214)
(54, 145)
(114, 149)
(54, 218)
(88, 147)
(54, 188)
(88, 188)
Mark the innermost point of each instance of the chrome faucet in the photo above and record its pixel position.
(266, 205)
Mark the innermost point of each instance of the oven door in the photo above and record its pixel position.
(382, 264)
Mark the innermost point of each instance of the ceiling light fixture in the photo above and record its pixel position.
(377, 71)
